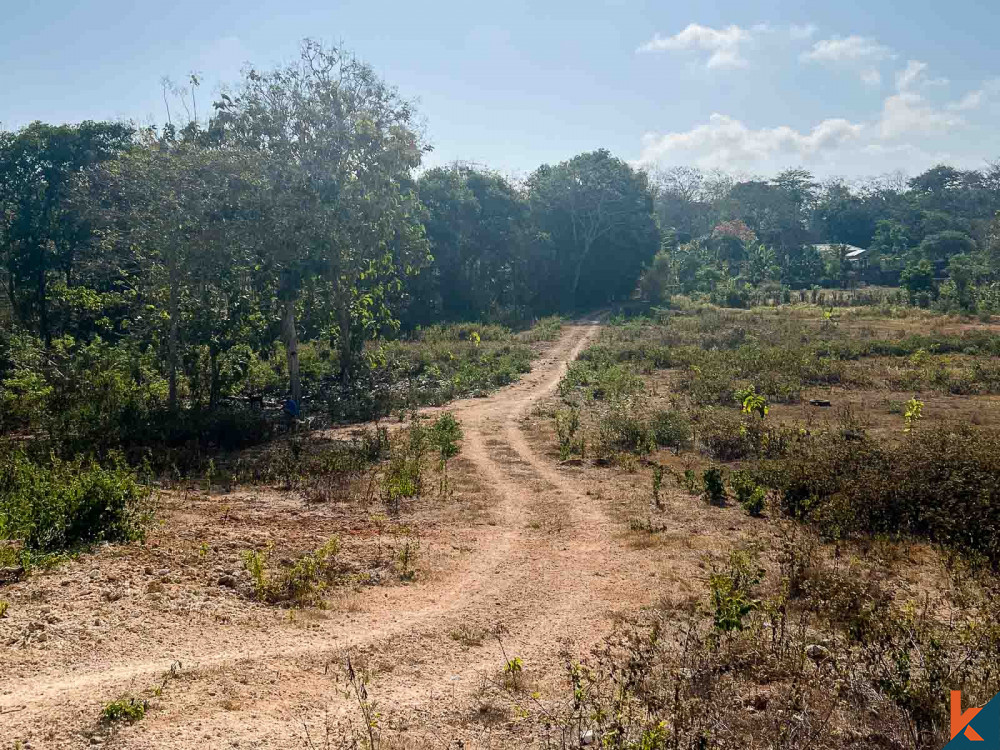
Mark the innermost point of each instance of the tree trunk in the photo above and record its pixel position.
(172, 346)
(43, 307)
(576, 274)
(213, 390)
(292, 349)
(344, 324)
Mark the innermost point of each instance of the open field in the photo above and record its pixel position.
(462, 609)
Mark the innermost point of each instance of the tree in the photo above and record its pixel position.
(41, 233)
(918, 277)
(477, 231)
(941, 246)
(173, 206)
(341, 148)
(598, 214)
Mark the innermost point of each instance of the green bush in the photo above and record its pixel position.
(127, 709)
(750, 495)
(939, 485)
(622, 429)
(671, 429)
(301, 583)
(59, 504)
(715, 486)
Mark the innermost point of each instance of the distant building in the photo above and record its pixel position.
(854, 253)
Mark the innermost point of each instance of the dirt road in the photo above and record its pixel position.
(549, 567)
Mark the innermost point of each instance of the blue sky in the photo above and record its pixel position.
(849, 89)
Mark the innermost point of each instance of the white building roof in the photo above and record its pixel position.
(852, 250)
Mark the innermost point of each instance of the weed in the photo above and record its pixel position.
(657, 483)
(467, 635)
(300, 584)
(4, 606)
(444, 435)
(127, 709)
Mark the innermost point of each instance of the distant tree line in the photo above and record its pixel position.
(169, 267)
(149, 269)
(937, 235)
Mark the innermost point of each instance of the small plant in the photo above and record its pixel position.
(444, 435)
(567, 424)
(406, 558)
(127, 709)
(300, 584)
(209, 473)
(689, 481)
(4, 606)
(513, 667)
(715, 486)
(913, 414)
(371, 738)
(732, 590)
(749, 494)
(657, 483)
(751, 402)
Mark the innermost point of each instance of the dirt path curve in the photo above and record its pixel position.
(547, 570)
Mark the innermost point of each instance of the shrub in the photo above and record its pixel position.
(839, 665)
(128, 709)
(938, 485)
(444, 435)
(622, 429)
(671, 429)
(733, 590)
(749, 494)
(728, 437)
(715, 486)
(300, 584)
(59, 504)
(567, 424)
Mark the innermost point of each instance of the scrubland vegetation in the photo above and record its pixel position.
(817, 423)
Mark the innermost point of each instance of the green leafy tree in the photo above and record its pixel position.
(340, 147)
(41, 231)
(597, 213)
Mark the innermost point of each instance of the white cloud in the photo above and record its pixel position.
(726, 142)
(858, 53)
(972, 100)
(909, 112)
(724, 44)
(871, 77)
(849, 49)
(905, 113)
(976, 99)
